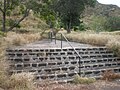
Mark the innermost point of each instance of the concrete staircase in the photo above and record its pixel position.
(62, 64)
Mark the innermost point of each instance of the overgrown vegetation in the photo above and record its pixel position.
(102, 23)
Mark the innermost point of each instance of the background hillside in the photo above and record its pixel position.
(102, 17)
(103, 10)
(91, 15)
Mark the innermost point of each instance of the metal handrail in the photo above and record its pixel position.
(63, 36)
(70, 45)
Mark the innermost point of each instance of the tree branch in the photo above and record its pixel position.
(1, 10)
(19, 21)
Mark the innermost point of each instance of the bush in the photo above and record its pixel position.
(83, 80)
(113, 23)
(97, 23)
(2, 33)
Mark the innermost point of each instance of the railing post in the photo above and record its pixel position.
(48, 35)
(61, 41)
(51, 36)
(79, 67)
(55, 38)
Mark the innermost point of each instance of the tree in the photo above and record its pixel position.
(26, 5)
(47, 13)
(71, 10)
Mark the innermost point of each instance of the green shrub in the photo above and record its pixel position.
(2, 33)
(97, 23)
(113, 23)
(83, 80)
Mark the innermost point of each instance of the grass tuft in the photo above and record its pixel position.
(20, 39)
(22, 81)
(110, 75)
(83, 80)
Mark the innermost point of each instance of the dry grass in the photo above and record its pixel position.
(111, 33)
(114, 45)
(3, 64)
(111, 41)
(18, 81)
(83, 80)
(20, 39)
(92, 38)
(22, 81)
(110, 75)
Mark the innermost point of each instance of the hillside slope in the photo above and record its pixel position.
(103, 9)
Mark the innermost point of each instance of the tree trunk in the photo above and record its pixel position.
(68, 30)
(69, 26)
(19, 21)
(4, 17)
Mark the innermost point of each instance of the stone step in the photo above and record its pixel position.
(67, 61)
(67, 68)
(71, 74)
(40, 54)
(86, 63)
(59, 58)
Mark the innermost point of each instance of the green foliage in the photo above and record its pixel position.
(14, 8)
(47, 13)
(113, 23)
(11, 22)
(2, 33)
(81, 27)
(70, 11)
(22, 9)
(97, 23)
(102, 23)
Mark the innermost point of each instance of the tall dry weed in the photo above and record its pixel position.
(21, 39)
(18, 81)
(108, 39)
(22, 81)
(93, 39)
(110, 75)
(114, 45)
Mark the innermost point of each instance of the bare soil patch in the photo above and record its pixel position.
(99, 85)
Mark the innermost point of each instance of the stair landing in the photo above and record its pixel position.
(47, 44)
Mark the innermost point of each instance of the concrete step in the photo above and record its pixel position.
(84, 62)
(70, 75)
(59, 58)
(33, 53)
(67, 68)
(62, 64)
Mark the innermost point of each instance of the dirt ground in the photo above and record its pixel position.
(99, 85)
